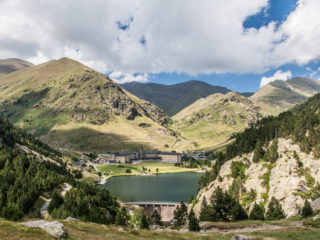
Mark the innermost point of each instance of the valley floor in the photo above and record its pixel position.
(82, 230)
(150, 167)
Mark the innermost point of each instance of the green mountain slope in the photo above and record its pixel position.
(69, 105)
(173, 98)
(13, 64)
(212, 120)
(281, 95)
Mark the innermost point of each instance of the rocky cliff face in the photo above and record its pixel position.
(293, 178)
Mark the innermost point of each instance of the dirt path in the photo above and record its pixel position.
(43, 209)
(103, 179)
(250, 229)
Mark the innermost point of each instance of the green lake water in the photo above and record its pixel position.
(171, 187)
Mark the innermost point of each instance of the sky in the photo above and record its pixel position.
(239, 44)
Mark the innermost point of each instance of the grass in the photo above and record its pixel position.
(136, 169)
(211, 121)
(82, 230)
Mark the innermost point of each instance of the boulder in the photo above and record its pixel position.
(55, 228)
(241, 237)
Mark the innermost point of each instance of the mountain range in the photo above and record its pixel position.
(71, 106)
(173, 98)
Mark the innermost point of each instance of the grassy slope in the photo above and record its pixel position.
(81, 230)
(281, 95)
(207, 121)
(59, 101)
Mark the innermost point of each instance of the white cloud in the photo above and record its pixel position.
(120, 77)
(279, 75)
(204, 36)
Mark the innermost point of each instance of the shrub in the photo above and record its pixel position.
(238, 169)
(128, 170)
(122, 217)
(257, 212)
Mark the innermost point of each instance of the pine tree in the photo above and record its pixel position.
(307, 210)
(275, 211)
(238, 213)
(272, 152)
(258, 152)
(257, 212)
(55, 202)
(155, 218)
(204, 212)
(193, 222)
(144, 222)
(180, 215)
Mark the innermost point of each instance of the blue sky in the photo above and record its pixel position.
(278, 11)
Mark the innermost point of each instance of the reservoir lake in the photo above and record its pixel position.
(171, 187)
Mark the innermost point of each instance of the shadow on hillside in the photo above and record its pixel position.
(86, 139)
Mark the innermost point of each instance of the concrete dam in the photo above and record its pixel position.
(165, 209)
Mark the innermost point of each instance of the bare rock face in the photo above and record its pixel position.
(55, 228)
(287, 182)
(315, 205)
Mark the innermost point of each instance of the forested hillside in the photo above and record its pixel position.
(29, 168)
(24, 176)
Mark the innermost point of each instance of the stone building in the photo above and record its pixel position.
(127, 157)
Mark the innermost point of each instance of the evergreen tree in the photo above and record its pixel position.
(258, 152)
(122, 217)
(191, 198)
(307, 210)
(257, 212)
(205, 210)
(272, 152)
(238, 213)
(55, 202)
(221, 203)
(144, 221)
(275, 211)
(180, 215)
(12, 212)
(193, 222)
(155, 218)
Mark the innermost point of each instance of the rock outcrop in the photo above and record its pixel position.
(293, 178)
(55, 228)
